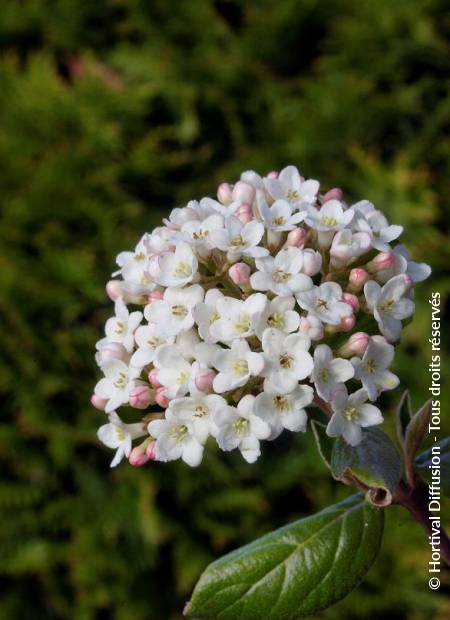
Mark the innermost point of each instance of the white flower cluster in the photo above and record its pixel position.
(239, 312)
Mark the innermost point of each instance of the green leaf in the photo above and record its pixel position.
(295, 571)
(323, 441)
(403, 416)
(416, 431)
(441, 453)
(374, 465)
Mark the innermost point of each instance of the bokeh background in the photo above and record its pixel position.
(112, 112)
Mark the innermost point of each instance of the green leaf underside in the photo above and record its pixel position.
(323, 441)
(416, 431)
(375, 461)
(403, 416)
(294, 571)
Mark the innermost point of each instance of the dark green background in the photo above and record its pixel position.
(112, 112)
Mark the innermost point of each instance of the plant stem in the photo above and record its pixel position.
(415, 501)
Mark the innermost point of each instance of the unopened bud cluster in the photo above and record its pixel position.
(239, 312)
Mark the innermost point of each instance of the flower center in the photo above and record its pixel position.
(139, 256)
(238, 242)
(281, 276)
(215, 316)
(324, 375)
(371, 366)
(154, 342)
(182, 270)
(387, 306)
(243, 323)
(200, 411)
(285, 360)
(179, 310)
(179, 432)
(278, 221)
(351, 414)
(240, 367)
(326, 220)
(119, 433)
(241, 426)
(120, 328)
(292, 194)
(321, 305)
(276, 320)
(200, 235)
(281, 403)
(182, 378)
(121, 380)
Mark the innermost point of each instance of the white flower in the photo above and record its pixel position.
(121, 327)
(148, 341)
(324, 302)
(372, 369)
(290, 186)
(237, 318)
(350, 413)
(287, 360)
(206, 313)
(238, 239)
(402, 264)
(284, 410)
(329, 372)
(281, 274)
(118, 435)
(117, 383)
(330, 217)
(134, 267)
(389, 306)
(174, 372)
(175, 439)
(173, 314)
(198, 233)
(347, 245)
(241, 428)
(373, 222)
(177, 268)
(279, 216)
(235, 366)
(198, 411)
(279, 313)
(225, 211)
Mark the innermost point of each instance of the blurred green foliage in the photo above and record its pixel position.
(111, 112)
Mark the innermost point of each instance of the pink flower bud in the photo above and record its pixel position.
(151, 451)
(351, 300)
(244, 213)
(273, 174)
(98, 403)
(155, 296)
(383, 261)
(357, 278)
(240, 274)
(312, 262)
(296, 237)
(153, 378)
(348, 323)
(204, 379)
(114, 289)
(355, 345)
(138, 455)
(161, 398)
(141, 396)
(244, 192)
(224, 193)
(333, 194)
(311, 326)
